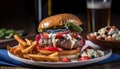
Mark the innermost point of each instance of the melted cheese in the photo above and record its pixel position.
(72, 42)
(54, 41)
(66, 36)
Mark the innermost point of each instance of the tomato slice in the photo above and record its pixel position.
(74, 35)
(60, 34)
(65, 59)
(49, 48)
(45, 35)
(84, 58)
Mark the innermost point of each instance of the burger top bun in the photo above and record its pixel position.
(59, 19)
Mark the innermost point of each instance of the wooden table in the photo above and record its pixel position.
(112, 65)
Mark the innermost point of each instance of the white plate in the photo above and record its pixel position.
(65, 64)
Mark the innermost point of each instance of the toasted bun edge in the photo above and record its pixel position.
(59, 19)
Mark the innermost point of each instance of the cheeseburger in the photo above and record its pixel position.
(61, 33)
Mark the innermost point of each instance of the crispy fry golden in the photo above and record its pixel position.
(29, 42)
(21, 46)
(29, 49)
(54, 54)
(37, 57)
(11, 49)
(15, 51)
(53, 59)
(45, 52)
(20, 40)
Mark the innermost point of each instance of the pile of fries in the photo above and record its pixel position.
(27, 49)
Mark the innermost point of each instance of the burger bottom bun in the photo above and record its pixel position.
(65, 53)
(69, 53)
(72, 56)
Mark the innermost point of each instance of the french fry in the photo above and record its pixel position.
(53, 54)
(54, 57)
(29, 49)
(22, 47)
(20, 40)
(11, 49)
(29, 42)
(34, 42)
(26, 56)
(45, 52)
(17, 50)
(37, 57)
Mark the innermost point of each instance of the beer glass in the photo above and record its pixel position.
(98, 14)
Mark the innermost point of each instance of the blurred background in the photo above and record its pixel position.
(26, 14)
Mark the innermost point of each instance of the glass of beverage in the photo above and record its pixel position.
(98, 14)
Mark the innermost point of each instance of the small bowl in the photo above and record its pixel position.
(114, 45)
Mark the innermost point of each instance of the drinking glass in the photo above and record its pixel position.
(98, 14)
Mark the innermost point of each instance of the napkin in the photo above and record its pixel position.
(114, 57)
(8, 61)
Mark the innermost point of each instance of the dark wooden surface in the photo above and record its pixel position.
(113, 65)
